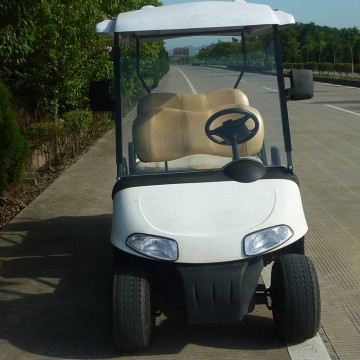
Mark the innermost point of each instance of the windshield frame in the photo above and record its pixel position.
(120, 159)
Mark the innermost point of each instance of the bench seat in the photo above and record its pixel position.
(198, 102)
(171, 128)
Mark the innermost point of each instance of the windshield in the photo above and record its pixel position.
(192, 79)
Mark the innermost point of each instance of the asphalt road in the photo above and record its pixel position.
(56, 261)
(326, 154)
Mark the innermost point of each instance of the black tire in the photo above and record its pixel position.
(298, 247)
(131, 313)
(295, 297)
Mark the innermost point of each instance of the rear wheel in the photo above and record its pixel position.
(132, 317)
(295, 297)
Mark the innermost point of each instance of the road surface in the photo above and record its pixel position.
(56, 259)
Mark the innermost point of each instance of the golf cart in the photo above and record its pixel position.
(206, 197)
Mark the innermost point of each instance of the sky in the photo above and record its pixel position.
(332, 13)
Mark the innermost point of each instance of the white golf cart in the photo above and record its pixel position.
(206, 196)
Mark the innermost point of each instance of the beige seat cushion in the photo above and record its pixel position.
(167, 134)
(192, 162)
(199, 102)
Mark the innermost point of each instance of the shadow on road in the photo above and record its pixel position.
(54, 283)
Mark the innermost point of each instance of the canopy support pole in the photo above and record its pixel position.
(117, 88)
(282, 97)
(138, 67)
(243, 45)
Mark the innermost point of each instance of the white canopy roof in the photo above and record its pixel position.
(194, 18)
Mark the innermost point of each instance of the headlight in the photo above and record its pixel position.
(154, 247)
(267, 239)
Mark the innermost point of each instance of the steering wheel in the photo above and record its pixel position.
(232, 132)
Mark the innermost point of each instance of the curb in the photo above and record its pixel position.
(343, 82)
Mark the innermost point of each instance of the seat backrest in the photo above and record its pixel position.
(157, 101)
(225, 96)
(167, 134)
(199, 102)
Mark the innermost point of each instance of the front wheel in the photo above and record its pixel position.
(131, 313)
(295, 297)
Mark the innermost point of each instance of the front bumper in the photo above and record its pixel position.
(220, 292)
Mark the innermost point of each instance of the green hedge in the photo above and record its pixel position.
(14, 149)
(68, 136)
(324, 67)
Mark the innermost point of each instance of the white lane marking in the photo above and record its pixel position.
(344, 110)
(312, 349)
(193, 90)
(266, 88)
(337, 85)
(328, 84)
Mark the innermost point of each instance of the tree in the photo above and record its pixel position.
(351, 37)
(49, 51)
(16, 32)
(13, 147)
(114, 7)
(290, 44)
(334, 44)
(308, 46)
(321, 43)
(55, 39)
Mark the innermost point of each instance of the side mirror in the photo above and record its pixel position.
(99, 96)
(302, 85)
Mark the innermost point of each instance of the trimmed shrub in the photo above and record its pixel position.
(14, 149)
(77, 121)
(311, 65)
(291, 66)
(343, 68)
(77, 124)
(39, 133)
(49, 138)
(325, 67)
(68, 136)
